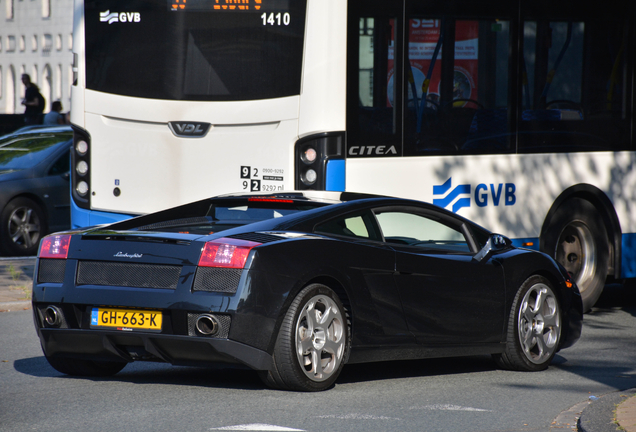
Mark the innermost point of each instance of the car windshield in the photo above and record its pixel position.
(17, 153)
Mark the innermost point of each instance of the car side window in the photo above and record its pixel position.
(418, 230)
(354, 225)
(62, 165)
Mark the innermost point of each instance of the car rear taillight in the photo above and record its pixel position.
(226, 252)
(55, 246)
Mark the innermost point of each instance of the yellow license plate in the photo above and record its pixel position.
(126, 319)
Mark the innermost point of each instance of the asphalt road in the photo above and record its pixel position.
(466, 394)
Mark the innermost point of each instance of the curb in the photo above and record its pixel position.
(602, 414)
(568, 419)
(15, 306)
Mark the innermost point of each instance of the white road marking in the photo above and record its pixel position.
(446, 407)
(258, 427)
(354, 416)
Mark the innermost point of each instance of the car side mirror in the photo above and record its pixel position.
(495, 243)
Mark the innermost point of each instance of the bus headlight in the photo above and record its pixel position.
(82, 188)
(309, 177)
(81, 172)
(82, 168)
(81, 147)
(309, 156)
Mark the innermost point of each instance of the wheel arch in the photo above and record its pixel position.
(564, 298)
(604, 206)
(534, 265)
(338, 287)
(333, 283)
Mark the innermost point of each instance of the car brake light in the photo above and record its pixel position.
(55, 246)
(226, 252)
(270, 200)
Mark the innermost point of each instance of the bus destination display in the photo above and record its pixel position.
(229, 5)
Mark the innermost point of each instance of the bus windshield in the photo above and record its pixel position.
(175, 50)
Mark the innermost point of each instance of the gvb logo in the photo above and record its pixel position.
(113, 17)
(461, 195)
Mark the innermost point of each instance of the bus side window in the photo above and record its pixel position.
(573, 87)
(376, 90)
(457, 102)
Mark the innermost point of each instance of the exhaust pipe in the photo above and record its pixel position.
(207, 325)
(53, 316)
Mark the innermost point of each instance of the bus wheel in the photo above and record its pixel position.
(577, 239)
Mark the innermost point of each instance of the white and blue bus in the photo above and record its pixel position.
(516, 114)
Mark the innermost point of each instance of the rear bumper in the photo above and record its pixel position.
(129, 347)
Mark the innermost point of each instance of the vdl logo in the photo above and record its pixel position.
(189, 129)
(111, 17)
(483, 195)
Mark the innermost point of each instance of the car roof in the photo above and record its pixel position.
(299, 200)
(38, 129)
(327, 197)
(29, 131)
(306, 220)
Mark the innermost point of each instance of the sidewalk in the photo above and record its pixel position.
(16, 279)
(615, 411)
(626, 413)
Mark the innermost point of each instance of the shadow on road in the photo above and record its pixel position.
(605, 352)
(150, 373)
(617, 296)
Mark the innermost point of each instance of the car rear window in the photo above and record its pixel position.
(216, 214)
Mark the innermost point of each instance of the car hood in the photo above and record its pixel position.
(9, 174)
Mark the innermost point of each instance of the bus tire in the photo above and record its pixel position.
(577, 239)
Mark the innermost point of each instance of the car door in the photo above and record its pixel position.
(55, 189)
(448, 298)
(380, 318)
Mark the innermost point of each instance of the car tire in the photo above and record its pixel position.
(87, 368)
(312, 344)
(576, 238)
(534, 327)
(22, 227)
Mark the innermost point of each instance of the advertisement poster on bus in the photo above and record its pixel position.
(425, 54)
